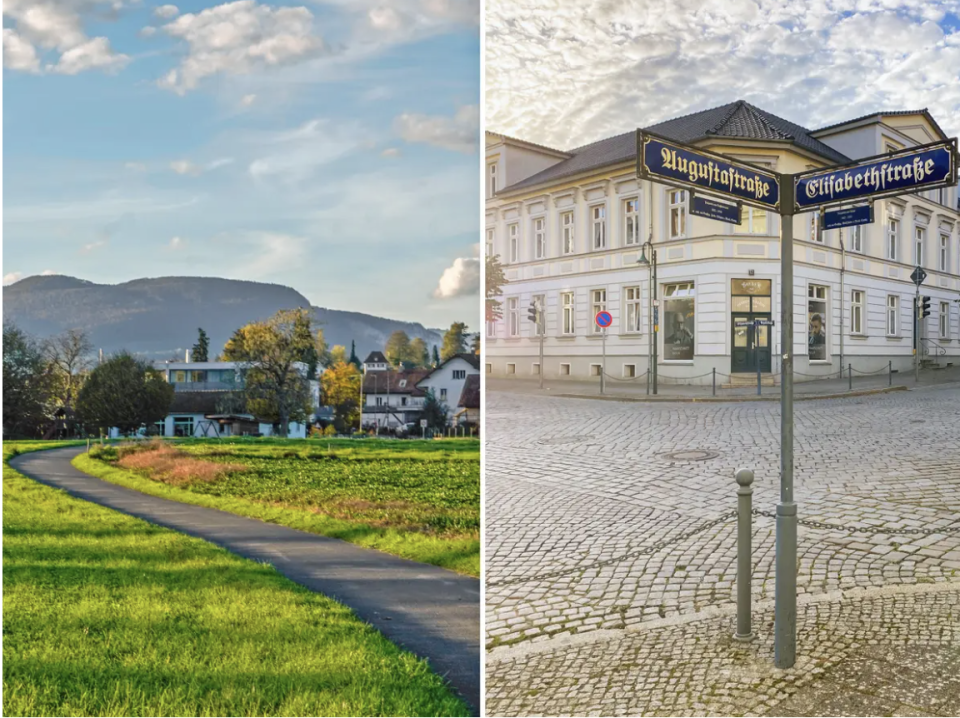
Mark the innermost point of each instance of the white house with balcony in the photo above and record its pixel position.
(448, 379)
(569, 226)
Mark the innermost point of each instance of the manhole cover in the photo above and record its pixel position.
(918, 421)
(565, 440)
(691, 455)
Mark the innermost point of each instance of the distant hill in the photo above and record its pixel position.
(159, 317)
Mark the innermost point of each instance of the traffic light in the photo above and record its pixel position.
(925, 306)
(532, 312)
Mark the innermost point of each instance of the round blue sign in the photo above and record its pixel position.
(604, 319)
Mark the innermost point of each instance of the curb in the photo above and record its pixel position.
(735, 399)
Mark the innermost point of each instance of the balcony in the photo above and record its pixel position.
(205, 386)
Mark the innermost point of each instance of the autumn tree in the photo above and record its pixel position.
(27, 384)
(436, 357)
(419, 354)
(69, 355)
(476, 344)
(398, 348)
(201, 350)
(340, 389)
(495, 280)
(124, 392)
(277, 356)
(454, 340)
(338, 355)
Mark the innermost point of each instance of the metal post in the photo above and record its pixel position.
(714, 381)
(843, 267)
(890, 372)
(850, 374)
(744, 549)
(756, 353)
(916, 335)
(656, 319)
(785, 609)
(603, 365)
(542, 326)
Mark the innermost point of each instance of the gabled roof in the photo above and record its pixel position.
(375, 358)
(390, 381)
(739, 120)
(470, 396)
(891, 113)
(471, 359)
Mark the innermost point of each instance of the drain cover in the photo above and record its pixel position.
(691, 455)
(565, 440)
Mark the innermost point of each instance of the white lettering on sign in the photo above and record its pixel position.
(875, 178)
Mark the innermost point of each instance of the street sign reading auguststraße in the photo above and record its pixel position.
(662, 160)
(913, 170)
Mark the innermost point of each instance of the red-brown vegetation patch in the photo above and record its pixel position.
(164, 462)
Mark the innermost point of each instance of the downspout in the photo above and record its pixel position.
(650, 287)
(843, 266)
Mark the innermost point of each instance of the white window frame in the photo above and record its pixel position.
(919, 244)
(491, 237)
(492, 178)
(511, 368)
(535, 368)
(513, 232)
(568, 237)
(746, 226)
(632, 373)
(568, 314)
(856, 239)
(944, 320)
(632, 303)
(944, 252)
(539, 237)
(491, 329)
(857, 301)
(815, 234)
(598, 226)
(513, 317)
(677, 207)
(596, 369)
(562, 372)
(628, 215)
(892, 249)
(598, 303)
(893, 315)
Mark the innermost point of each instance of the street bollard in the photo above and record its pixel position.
(890, 372)
(714, 381)
(850, 374)
(744, 541)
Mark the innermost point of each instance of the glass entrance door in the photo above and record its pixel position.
(751, 344)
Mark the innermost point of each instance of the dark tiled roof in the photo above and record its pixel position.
(375, 358)
(470, 396)
(873, 114)
(471, 359)
(738, 120)
(380, 382)
(196, 402)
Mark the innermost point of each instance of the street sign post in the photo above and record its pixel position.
(603, 320)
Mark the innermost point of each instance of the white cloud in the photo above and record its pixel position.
(166, 11)
(48, 273)
(222, 162)
(176, 243)
(92, 246)
(238, 38)
(148, 31)
(135, 166)
(295, 155)
(248, 100)
(460, 279)
(12, 278)
(459, 133)
(185, 167)
(270, 253)
(57, 26)
(571, 74)
(391, 152)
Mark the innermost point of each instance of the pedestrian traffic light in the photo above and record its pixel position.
(925, 306)
(532, 312)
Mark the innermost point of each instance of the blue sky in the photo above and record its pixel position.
(327, 145)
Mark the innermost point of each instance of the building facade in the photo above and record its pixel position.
(569, 228)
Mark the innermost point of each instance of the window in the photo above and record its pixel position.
(944, 320)
(198, 376)
(856, 239)
(443, 390)
(513, 317)
(379, 401)
(491, 329)
(179, 377)
(596, 369)
(815, 234)
(564, 370)
(599, 305)
(490, 237)
(817, 323)
(678, 322)
(539, 238)
(569, 318)
(566, 221)
(629, 370)
(920, 239)
(856, 312)
(599, 226)
(514, 231)
(459, 373)
(183, 426)
(893, 238)
(893, 314)
(403, 401)
(944, 253)
(535, 368)
(631, 222)
(678, 213)
(489, 367)
(402, 383)
(631, 298)
(754, 221)
(540, 300)
(511, 368)
(492, 174)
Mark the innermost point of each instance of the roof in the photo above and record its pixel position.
(470, 396)
(196, 365)
(375, 358)
(739, 120)
(195, 402)
(925, 112)
(508, 138)
(384, 382)
(471, 359)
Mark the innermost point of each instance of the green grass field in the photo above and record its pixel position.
(416, 499)
(104, 614)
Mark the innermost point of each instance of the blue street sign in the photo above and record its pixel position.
(712, 209)
(912, 170)
(847, 217)
(604, 319)
(674, 163)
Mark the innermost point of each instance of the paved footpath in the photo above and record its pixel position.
(432, 612)
(611, 551)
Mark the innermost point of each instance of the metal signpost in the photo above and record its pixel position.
(918, 275)
(423, 428)
(675, 164)
(603, 320)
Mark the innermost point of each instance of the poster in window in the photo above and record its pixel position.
(678, 328)
(817, 330)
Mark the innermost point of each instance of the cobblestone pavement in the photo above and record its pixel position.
(591, 526)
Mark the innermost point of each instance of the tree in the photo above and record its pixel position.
(124, 392)
(340, 389)
(201, 350)
(398, 348)
(419, 354)
(338, 355)
(354, 359)
(454, 340)
(27, 384)
(69, 355)
(436, 357)
(495, 280)
(476, 343)
(434, 411)
(273, 354)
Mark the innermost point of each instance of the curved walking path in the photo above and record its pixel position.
(429, 611)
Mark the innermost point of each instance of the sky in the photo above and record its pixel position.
(327, 145)
(565, 74)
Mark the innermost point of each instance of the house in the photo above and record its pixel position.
(447, 381)
(391, 398)
(468, 408)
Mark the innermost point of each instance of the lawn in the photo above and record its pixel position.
(105, 614)
(416, 499)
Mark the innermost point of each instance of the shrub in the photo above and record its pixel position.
(331, 430)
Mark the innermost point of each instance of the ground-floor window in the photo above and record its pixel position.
(944, 320)
(596, 369)
(489, 368)
(631, 298)
(599, 297)
(511, 369)
(535, 368)
(183, 426)
(817, 323)
(569, 317)
(564, 370)
(629, 370)
(893, 312)
(679, 321)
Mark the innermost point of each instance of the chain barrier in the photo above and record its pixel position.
(864, 529)
(885, 370)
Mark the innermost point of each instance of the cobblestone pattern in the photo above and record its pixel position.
(895, 654)
(571, 482)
